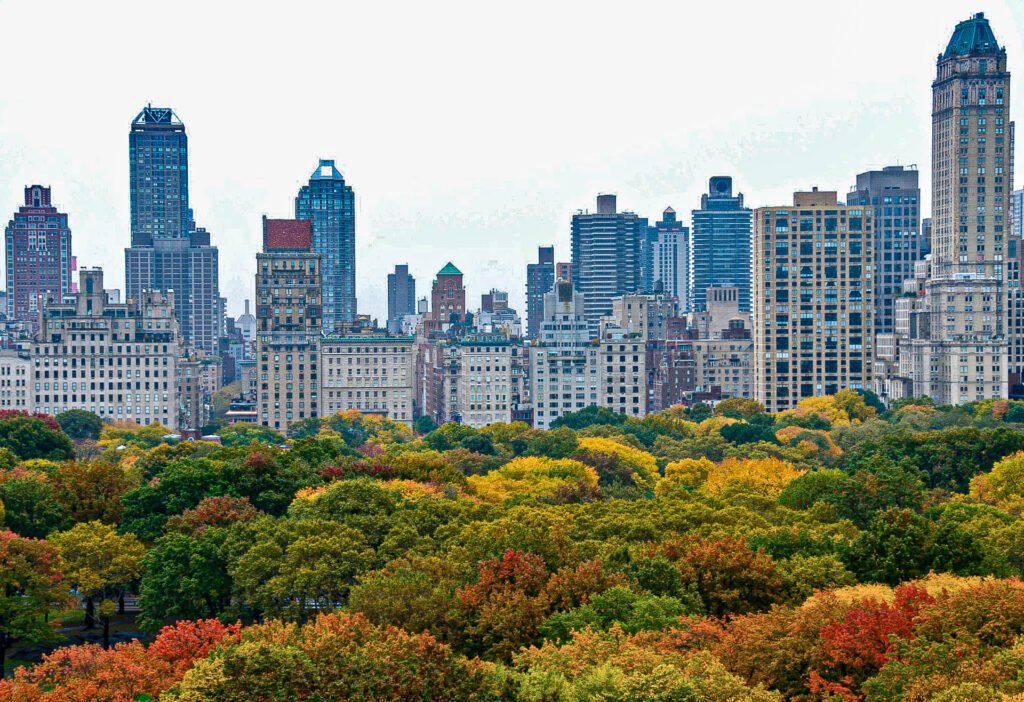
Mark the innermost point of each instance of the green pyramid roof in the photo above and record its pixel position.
(449, 269)
(973, 36)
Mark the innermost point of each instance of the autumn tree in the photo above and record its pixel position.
(31, 584)
(101, 565)
(28, 499)
(90, 490)
(33, 437)
(729, 577)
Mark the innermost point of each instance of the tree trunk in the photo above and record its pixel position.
(106, 633)
(3, 655)
(90, 614)
(120, 604)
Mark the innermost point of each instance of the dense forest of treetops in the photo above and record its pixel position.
(838, 551)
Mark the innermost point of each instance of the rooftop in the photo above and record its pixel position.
(973, 36)
(286, 234)
(449, 269)
(157, 115)
(326, 171)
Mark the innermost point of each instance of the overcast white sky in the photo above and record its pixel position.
(470, 131)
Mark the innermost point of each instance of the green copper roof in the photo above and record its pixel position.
(973, 36)
(449, 269)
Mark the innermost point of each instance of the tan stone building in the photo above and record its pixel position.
(813, 307)
(373, 373)
(289, 285)
(644, 315)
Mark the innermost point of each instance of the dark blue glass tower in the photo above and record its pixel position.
(158, 176)
(720, 244)
(330, 204)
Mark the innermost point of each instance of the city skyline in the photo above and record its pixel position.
(498, 193)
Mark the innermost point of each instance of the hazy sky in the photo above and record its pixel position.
(470, 131)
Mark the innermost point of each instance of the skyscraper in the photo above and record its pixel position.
(813, 307)
(39, 261)
(894, 195)
(288, 297)
(158, 176)
(447, 297)
(329, 204)
(720, 244)
(958, 351)
(168, 251)
(401, 297)
(540, 278)
(670, 262)
(605, 256)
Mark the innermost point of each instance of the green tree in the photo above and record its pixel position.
(31, 437)
(101, 565)
(28, 499)
(893, 549)
(244, 433)
(184, 577)
(308, 426)
(294, 568)
(424, 424)
(80, 424)
(588, 416)
(30, 583)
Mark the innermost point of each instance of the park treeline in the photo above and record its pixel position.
(838, 551)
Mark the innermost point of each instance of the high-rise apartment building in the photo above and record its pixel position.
(329, 203)
(540, 278)
(1017, 214)
(158, 176)
(401, 297)
(39, 261)
(189, 266)
(563, 363)
(288, 318)
(563, 270)
(813, 314)
(894, 195)
(957, 350)
(671, 258)
(642, 315)
(605, 256)
(168, 252)
(720, 244)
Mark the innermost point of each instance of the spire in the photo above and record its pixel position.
(973, 36)
(449, 269)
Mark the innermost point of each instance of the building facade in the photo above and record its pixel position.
(447, 298)
(894, 195)
(563, 362)
(288, 295)
(401, 297)
(605, 256)
(39, 263)
(117, 360)
(671, 258)
(198, 377)
(329, 203)
(372, 373)
(540, 278)
(158, 176)
(622, 373)
(643, 315)
(813, 317)
(720, 244)
(189, 265)
(964, 343)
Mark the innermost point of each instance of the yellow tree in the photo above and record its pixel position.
(612, 459)
(533, 476)
(100, 564)
(688, 472)
(767, 476)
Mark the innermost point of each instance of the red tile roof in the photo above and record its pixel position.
(291, 234)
